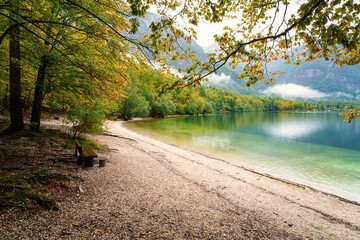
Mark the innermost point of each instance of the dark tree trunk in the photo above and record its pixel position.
(6, 100)
(16, 114)
(38, 95)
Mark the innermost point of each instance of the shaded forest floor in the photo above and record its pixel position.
(36, 169)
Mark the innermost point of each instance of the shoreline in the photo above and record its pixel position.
(250, 168)
(153, 190)
(285, 201)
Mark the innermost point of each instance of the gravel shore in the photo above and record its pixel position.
(153, 190)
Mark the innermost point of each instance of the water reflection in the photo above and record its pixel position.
(212, 141)
(293, 130)
(317, 149)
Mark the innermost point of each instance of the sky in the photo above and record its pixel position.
(206, 31)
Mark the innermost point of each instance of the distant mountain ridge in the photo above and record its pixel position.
(320, 75)
(144, 29)
(323, 76)
(211, 48)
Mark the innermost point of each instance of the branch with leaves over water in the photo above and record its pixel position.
(350, 115)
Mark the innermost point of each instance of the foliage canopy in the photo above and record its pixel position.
(268, 30)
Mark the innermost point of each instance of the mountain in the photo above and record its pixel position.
(319, 78)
(181, 44)
(211, 48)
(323, 76)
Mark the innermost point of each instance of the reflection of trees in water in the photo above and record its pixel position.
(320, 128)
(308, 153)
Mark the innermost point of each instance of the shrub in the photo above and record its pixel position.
(88, 118)
(134, 105)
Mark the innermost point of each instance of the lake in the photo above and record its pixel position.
(314, 148)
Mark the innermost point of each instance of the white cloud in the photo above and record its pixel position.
(291, 91)
(175, 72)
(342, 94)
(214, 78)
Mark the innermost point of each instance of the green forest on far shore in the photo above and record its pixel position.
(139, 97)
(142, 100)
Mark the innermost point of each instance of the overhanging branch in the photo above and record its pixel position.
(223, 61)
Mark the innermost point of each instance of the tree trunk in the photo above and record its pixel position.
(16, 114)
(38, 95)
(6, 100)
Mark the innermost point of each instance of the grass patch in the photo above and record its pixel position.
(23, 189)
(94, 145)
(69, 142)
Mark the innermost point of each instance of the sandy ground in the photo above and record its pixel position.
(207, 194)
(153, 190)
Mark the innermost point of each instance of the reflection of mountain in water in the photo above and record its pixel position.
(316, 128)
(212, 141)
(293, 130)
(316, 149)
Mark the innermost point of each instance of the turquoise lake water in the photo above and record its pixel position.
(315, 149)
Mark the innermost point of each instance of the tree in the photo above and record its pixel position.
(134, 105)
(17, 121)
(162, 106)
(351, 115)
(266, 31)
(39, 94)
(54, 29)
(88, 118)
(295, 31)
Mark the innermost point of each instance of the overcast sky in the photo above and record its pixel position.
(206, 31)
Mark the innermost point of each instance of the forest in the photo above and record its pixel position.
(142, 100)
(82, 57)
(140, 97)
